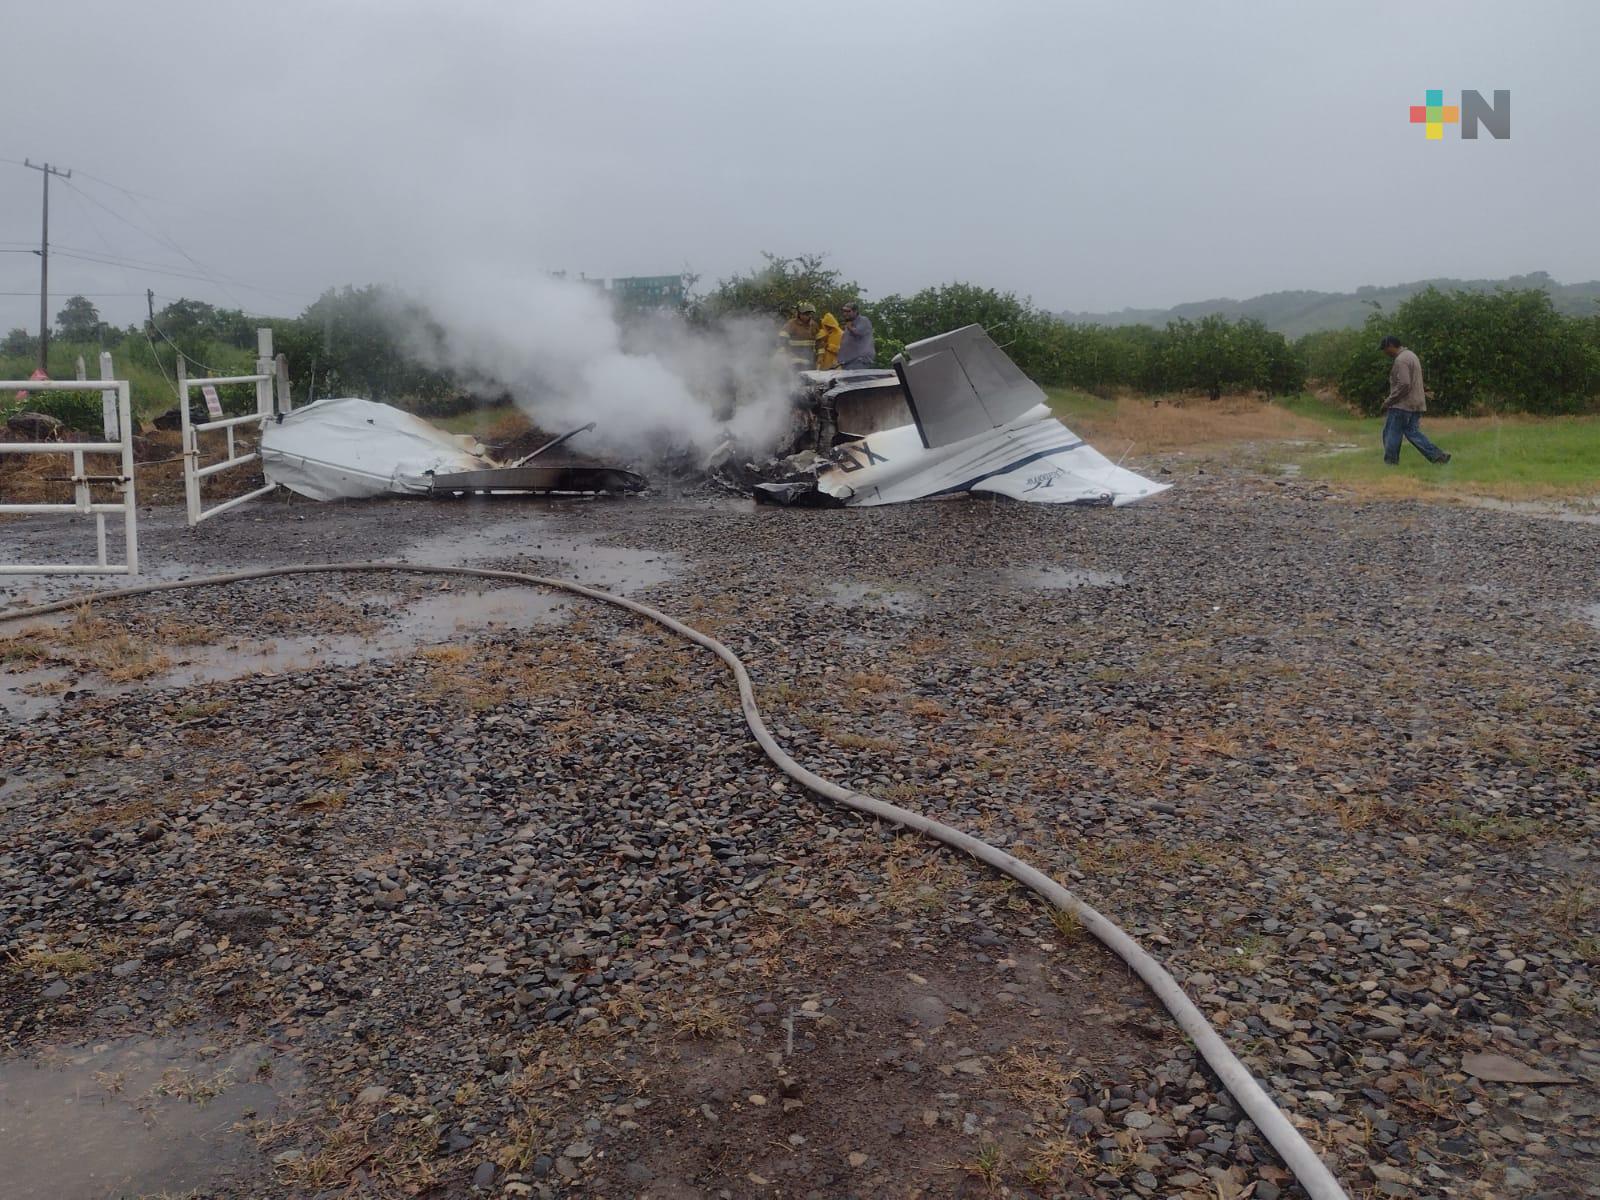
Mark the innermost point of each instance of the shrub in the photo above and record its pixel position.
(774, 289)
(80, 411)
(1213, 356)
(1505, 351)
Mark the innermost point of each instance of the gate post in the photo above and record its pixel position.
(264, 366)
(285, 404)
(191, 445)
(110, 412)
(130, 515)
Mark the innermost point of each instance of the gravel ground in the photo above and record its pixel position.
(518, 909)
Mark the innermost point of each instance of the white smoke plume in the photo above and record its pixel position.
(659, 385)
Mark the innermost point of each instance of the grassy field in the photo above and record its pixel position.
(1509, 457)
(1516, 457)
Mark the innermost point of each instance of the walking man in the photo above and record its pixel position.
(1405, 406)
(856, 350)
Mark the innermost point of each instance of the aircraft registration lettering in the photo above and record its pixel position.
(845, 457)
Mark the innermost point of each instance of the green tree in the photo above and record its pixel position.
(184, 318)
(1218, 355)
(774, 289)
(1286, 366)
(1032, 338)
(363, 338)
(194, 325)
(19, 342)
(1503, 351)
(1215, 356)
(1326, 351)
(78, 320)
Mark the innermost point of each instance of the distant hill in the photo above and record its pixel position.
(1296, 313)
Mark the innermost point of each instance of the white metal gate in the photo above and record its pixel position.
(269, 373)
(118, 440)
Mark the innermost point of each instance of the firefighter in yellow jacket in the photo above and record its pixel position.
(799, 337)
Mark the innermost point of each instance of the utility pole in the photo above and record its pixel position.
(46, 170)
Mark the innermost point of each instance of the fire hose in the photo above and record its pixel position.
(1295, 1151)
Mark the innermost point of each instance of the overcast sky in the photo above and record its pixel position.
(1089, 155)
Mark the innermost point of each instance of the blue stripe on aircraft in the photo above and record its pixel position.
(1021, 462)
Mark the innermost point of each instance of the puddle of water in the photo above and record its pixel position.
(1066, 578)
(423, 622)
(436, 618)
(445, 614)
(1582, 513)
(27, 694)
(135, 1117)
(615, 568)
(863, 595)
(30, 693)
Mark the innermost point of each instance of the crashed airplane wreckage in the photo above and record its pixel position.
(954, 416)
(349, 449)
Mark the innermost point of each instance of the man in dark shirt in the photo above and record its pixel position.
(1405, 405)
(856, 351)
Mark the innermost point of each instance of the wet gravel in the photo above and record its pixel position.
(1335, 762)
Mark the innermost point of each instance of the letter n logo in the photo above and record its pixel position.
(1495, 118)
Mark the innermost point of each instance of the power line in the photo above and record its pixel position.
(176, 349)
(117, 187)
(205, 275)
(108, 261)
(168, 241)
(75, 292)
(155, 237)
(155, 357)
(201, 273)
(115, 260)
(171, 383)
(111, 258)
(122, 260)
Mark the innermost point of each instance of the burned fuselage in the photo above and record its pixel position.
(955, 415)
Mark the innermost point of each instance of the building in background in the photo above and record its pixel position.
(632, 293)
(649, 291)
